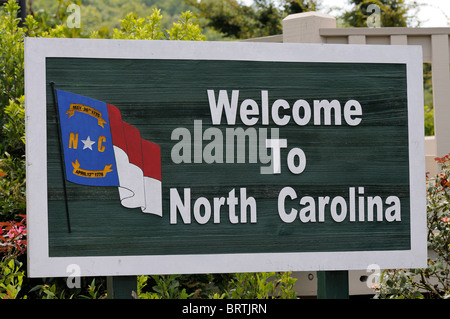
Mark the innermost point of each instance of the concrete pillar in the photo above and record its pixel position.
(304, 27)
(441, 91)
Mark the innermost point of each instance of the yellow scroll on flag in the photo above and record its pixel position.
(90, 173)
(75, 107)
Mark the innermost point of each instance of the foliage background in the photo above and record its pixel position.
(205, 20)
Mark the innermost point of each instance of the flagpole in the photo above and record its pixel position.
(63, 168)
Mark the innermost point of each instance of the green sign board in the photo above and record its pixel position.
(152, 157)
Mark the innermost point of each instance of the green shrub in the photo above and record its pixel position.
(432, 281)
(12, 146)
(265, 285)
(11, 279)
(11, 57)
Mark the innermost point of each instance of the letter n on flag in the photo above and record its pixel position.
(102, 150)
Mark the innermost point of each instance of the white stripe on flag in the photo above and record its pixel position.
(135, 189)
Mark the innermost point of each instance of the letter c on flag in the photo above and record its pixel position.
(101, 148)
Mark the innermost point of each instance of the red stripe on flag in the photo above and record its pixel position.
(151, 154)
(133, 140)
(142, 153)
(117, 133)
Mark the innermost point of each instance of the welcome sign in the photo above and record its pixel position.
(157, 157)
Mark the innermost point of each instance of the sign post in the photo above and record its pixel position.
(213, 157)
(332, 285)
(121, 287)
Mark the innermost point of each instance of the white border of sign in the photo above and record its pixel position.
(41, 265)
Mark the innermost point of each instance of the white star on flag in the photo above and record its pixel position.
(88, 143)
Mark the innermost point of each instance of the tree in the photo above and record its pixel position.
(238, 21)
(392, 13)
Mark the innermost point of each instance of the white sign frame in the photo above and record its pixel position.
(41, 265)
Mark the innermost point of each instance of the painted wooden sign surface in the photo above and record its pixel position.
(150, 157)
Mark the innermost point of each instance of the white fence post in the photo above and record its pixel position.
(304, 27)
(441, 92)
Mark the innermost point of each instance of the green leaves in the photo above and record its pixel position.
(133, 27)
(235, 20)
(186, 29)
(11, 279)
(11, 55)
(13, 129)
(393, 13)
(12, 113)
(166, 287)
(263, 285)
(149, 28)
(432, 281)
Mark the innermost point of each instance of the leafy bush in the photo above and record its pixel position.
(134, 27)
(11, 61)
(228, 286)
(11, 278)
(432, 281)
(260, 286)
(12, 141)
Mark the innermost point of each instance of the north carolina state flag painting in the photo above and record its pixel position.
(102, 150)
